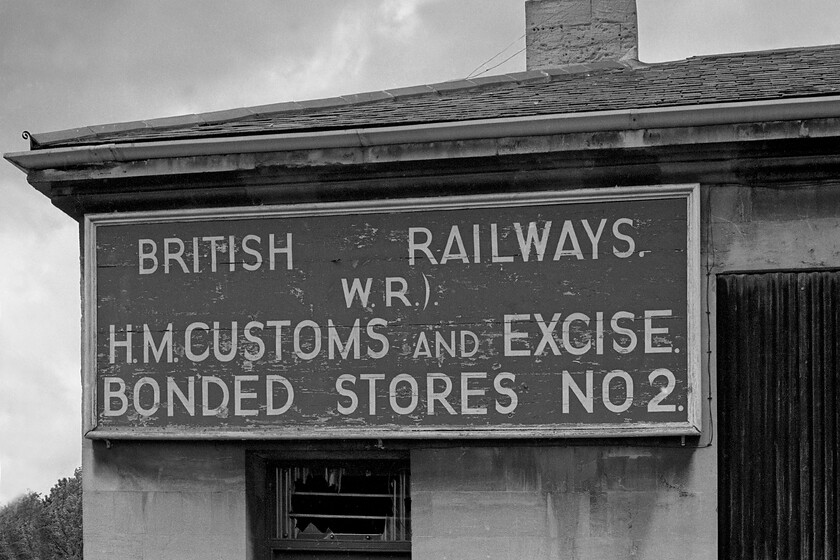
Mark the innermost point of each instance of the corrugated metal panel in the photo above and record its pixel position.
(779, 410)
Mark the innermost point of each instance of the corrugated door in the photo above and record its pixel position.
(779, 410)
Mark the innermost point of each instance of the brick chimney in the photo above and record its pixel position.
(560, 32)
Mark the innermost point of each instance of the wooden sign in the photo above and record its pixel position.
(559, 314)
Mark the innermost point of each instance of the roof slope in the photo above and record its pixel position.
(741, 77)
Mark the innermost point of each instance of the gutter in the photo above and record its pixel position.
(541, 125)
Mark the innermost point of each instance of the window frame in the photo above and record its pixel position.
(263, 495)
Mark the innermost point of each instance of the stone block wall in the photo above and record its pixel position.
(163, 500)
(535, 500)
(499, 501)
(772, 228)
(581, 502)
(561, 32)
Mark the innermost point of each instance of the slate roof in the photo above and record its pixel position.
(741, 77)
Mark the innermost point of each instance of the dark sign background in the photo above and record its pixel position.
(460, 296)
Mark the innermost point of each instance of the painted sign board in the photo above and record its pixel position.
(541, 315)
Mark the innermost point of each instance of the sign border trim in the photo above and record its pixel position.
(692, 427)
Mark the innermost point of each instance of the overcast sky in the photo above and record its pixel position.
(71, 63)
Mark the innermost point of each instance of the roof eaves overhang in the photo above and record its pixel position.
(683, 117)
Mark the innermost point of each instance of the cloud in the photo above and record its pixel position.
(40, 407)
(671, 30)
(80, 62)
(75, 63)
(399, 18)
(97, 62)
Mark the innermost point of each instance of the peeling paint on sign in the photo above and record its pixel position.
(546, 314)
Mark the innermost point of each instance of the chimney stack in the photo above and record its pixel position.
(560, 32)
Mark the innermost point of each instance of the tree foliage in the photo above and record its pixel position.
(44, 528)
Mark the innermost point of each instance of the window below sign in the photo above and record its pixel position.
(343, 507)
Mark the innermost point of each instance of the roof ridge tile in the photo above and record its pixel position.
(779, 51)
(410, 91)
(608, 84)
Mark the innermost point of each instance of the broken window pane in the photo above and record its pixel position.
(362, 502)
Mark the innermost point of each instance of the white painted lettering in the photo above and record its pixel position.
(239, 395)
(651, 331)
(622, 331)
(391, 293)
(394, 394)
(270, 381)
(533, 240)
(380, 338)
(433, 396)
(113, 344)
(157, 350)
(213, 239)
(258, 259)
(316, 340)
(176, 255)
(188, 342)
(454, 239)
(221, 409)
(494, 246)
(606, 394)
(508, 392)
(173, 391)
(466, 393)
(144, 255)
(278, 336)
(273, 251)
(138, 391)
(109, 393)
(631, 243)
(567, 234)
(465, 336)
(254, 341)
(510, 335)
(594, 237)
(219, 344)
(353, 341)
(567, 329)
(355, 290)
(584, 398)
(354, 400)
(414, 245)
(421, 347)
(547, 330)
(372, 378)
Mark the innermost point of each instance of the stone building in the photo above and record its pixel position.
(276, 297)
